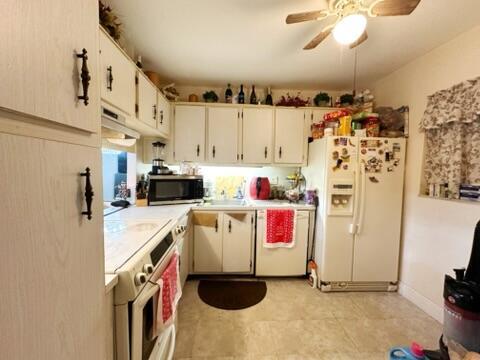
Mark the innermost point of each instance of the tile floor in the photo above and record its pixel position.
(297, 322)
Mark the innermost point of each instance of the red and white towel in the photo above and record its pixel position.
(280, 228)
(169, 294)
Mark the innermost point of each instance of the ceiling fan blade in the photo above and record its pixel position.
(393, 7)
(318, 39)
(360, 40)
(306, 16)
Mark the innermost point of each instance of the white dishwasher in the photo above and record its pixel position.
(283, 261)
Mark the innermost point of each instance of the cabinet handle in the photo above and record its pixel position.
(198, 150)
(213, 151)
(229, 226)
(161, 117)
(216, 225)
(84, 76)
(110, 78)
(280, 152)
(266, 152)
(155, 112)
(88, 193)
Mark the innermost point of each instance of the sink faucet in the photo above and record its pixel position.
(224, 194)
(239, 194)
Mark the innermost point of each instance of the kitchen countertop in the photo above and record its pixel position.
(110, 281)
(168, 214)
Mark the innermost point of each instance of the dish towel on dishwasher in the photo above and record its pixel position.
(280, 228)
(169, 294)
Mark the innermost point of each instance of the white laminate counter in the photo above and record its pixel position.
(110, 281)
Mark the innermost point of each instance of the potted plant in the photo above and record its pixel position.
(210, 96)
(346, 99)
(322, 99)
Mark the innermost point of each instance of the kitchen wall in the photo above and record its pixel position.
(437, 234)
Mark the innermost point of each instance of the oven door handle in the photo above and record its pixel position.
(146, 294)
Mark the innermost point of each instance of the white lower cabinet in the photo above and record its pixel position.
(223, 241)
(283, 261)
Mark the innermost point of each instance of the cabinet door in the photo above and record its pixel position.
(290, 137)
(237, 242)
(189, 133)
(257, 135)
(163, 116)
(40, 72)
(147, 101)
(207, 247)
(117, 76)
(52, 268)
(223, 134)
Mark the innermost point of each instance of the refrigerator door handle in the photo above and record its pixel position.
(362, 199)
(354, 225)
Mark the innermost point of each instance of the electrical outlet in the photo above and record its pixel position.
(273, 180)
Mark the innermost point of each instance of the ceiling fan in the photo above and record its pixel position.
(350, 21)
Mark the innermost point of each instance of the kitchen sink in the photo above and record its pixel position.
(228, 202)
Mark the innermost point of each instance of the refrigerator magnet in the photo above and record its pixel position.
(373, 179)
(335, 155)
(390, 169)
(363, 151)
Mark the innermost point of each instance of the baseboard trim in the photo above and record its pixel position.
(421, 301)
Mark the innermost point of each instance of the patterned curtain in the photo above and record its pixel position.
(452, 132)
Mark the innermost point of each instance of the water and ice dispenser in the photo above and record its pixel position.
(340, 197)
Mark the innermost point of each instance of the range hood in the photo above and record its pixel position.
(115, 130)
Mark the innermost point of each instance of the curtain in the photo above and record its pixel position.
(452, 132)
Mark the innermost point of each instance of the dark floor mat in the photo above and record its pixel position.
(231, 294)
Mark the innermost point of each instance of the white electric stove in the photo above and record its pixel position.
(138, 251)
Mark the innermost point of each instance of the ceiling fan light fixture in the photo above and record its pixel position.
(349, 29)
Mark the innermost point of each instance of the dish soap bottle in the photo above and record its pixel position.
(414, 352)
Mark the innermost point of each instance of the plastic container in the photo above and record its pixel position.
(318, 130)
(332, 124)
(345, 128)
(414, 352)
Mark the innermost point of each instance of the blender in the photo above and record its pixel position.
(158, 164)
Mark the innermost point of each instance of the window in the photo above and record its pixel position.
(452, 138)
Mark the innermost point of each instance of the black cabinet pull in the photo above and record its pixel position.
(161, 117)
(84, 76)
(216, 225)
(88, 193)
(213, 151)
(155, 112)
(198, 150)
(280, 152)
(229, 226)
(110, 78)
(266, 152)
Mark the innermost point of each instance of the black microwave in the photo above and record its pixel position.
(175, 189)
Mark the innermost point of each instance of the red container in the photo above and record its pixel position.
(260, 188)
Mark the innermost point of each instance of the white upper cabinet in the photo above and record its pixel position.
(290, 136)
(163, 114)
(40, 72)
(223, 129)
(189, 138)
(117, 74)
(257, 135)
(146, 101)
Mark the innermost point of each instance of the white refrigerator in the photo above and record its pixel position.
(359, 183)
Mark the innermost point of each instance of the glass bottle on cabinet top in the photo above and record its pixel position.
(228, 95)
(253, 96)
(269, 99)
(241, 95)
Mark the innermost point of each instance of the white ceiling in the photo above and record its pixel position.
(212, 42)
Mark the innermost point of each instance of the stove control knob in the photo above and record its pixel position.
(140, 278)
(148, 268)
(184, 228)
(178, 230)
